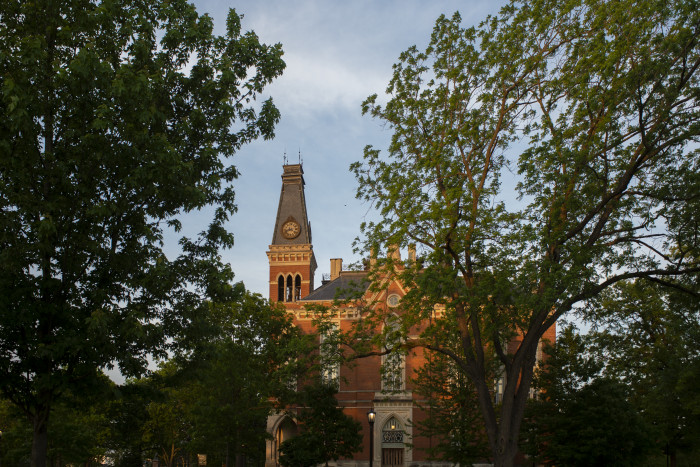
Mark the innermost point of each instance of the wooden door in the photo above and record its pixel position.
(392, 457)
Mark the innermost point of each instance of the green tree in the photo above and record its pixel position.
(117, 118)
(16, 435)
(582, 110)
(77, 432)
(214, 398)
(79, 428)
(233, 400)
(452, 420)
(649, 337)
(326, 432)
(583, 417)
(167, 427)
(126, 412)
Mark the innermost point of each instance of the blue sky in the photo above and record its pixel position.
(337, 54)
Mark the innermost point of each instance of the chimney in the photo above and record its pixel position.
(393, 252)
(412, 252)
(336, 267)
(372, 257)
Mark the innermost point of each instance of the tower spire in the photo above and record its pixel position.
(291, 256)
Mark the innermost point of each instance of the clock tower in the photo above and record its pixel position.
(291, 255)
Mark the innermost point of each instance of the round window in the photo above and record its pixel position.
(393, 300)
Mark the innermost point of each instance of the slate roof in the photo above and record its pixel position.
(293, 205)
(346, 285)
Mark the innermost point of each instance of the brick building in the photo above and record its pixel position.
(362, 387)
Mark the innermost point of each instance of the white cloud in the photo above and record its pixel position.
(312, 84)
(337, 54)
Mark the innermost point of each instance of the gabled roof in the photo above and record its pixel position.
(347, 285)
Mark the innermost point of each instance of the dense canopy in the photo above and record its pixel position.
(118, 117)
(536, 160)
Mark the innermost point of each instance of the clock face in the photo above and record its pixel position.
(291, 229)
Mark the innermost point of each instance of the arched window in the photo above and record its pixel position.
(394, 363)
(330, 367)
(280, 289)
(394, 367)
(289, 289)
(297, 287)
(392, 431)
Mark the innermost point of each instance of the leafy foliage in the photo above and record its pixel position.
(536, 160)
(326, 432)
(78, 433)
(242, 374)
(16, 435)
(129, 409)
(117, 118)
(649, 337)
(216, 400)
(583, 418)
(453, 421)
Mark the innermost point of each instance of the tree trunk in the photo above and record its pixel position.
(40, 439)
(506, 449)
(40, 419)
(504, 431)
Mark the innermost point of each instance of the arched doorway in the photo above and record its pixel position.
(393, 443)
(287, 429)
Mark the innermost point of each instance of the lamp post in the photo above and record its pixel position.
(155, 462)
(370, 418)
